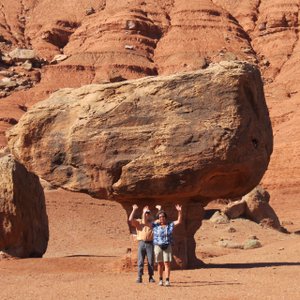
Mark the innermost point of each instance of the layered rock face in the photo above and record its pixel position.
(187, 138)
(24, 223)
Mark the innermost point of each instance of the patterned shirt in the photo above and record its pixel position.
(162, 234)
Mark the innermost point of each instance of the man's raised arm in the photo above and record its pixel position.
(131, 219)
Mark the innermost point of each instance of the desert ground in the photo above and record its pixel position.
(100, 41)
(89, 240)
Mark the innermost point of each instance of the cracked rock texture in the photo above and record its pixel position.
(203, 134)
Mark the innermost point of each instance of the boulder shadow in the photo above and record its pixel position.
(194, 283)
(250, 265)
(90, 255)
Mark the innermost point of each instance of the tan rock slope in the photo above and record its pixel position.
(111, 41)
(189, 138)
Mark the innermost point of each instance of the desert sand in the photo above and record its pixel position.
(89, 240)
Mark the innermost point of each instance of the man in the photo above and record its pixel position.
(163, 239)
(145, 241)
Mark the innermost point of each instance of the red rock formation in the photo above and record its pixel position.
(193, 136)
(24, 223)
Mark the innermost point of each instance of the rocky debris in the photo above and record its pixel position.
(8, 83)
(5, 256)
(18, 78)
(153, 138)
(129, 47)
(27, 65)
(262, 26)
(6, 59)
(219, 218)
(58, 58)
(24, 223)
(90, 11)
(229, 244)
(23, 55)
(252, 244)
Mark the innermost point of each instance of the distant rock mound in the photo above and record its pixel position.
(23, 219)
(254, 206)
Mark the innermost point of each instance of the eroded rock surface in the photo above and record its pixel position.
(23, 220)
(203, 134)
(186, 138)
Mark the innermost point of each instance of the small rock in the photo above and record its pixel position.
(230, 244)
(21, 55)
(247, 50)
(219, 218)
(6, 73)
(251, 244)
(262, 26)
(265, 62)
(7, 83)
(130, 24)
(23, 82)
(7, 59)
(231, 229)
(90, 11)
(5, 256)
(3, 94)
(129, 47)
(27, 65)
(58, 58)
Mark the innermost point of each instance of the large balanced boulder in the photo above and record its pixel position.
(23, 220)
(189, 137)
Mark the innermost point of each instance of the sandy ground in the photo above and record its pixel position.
(89, 239)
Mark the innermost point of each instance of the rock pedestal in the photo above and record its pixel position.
(184, 243)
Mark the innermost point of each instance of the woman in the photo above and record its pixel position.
(162, 240)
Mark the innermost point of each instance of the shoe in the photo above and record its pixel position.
(167, 283)
(139, 280)
(151, 279)
(160, 283)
